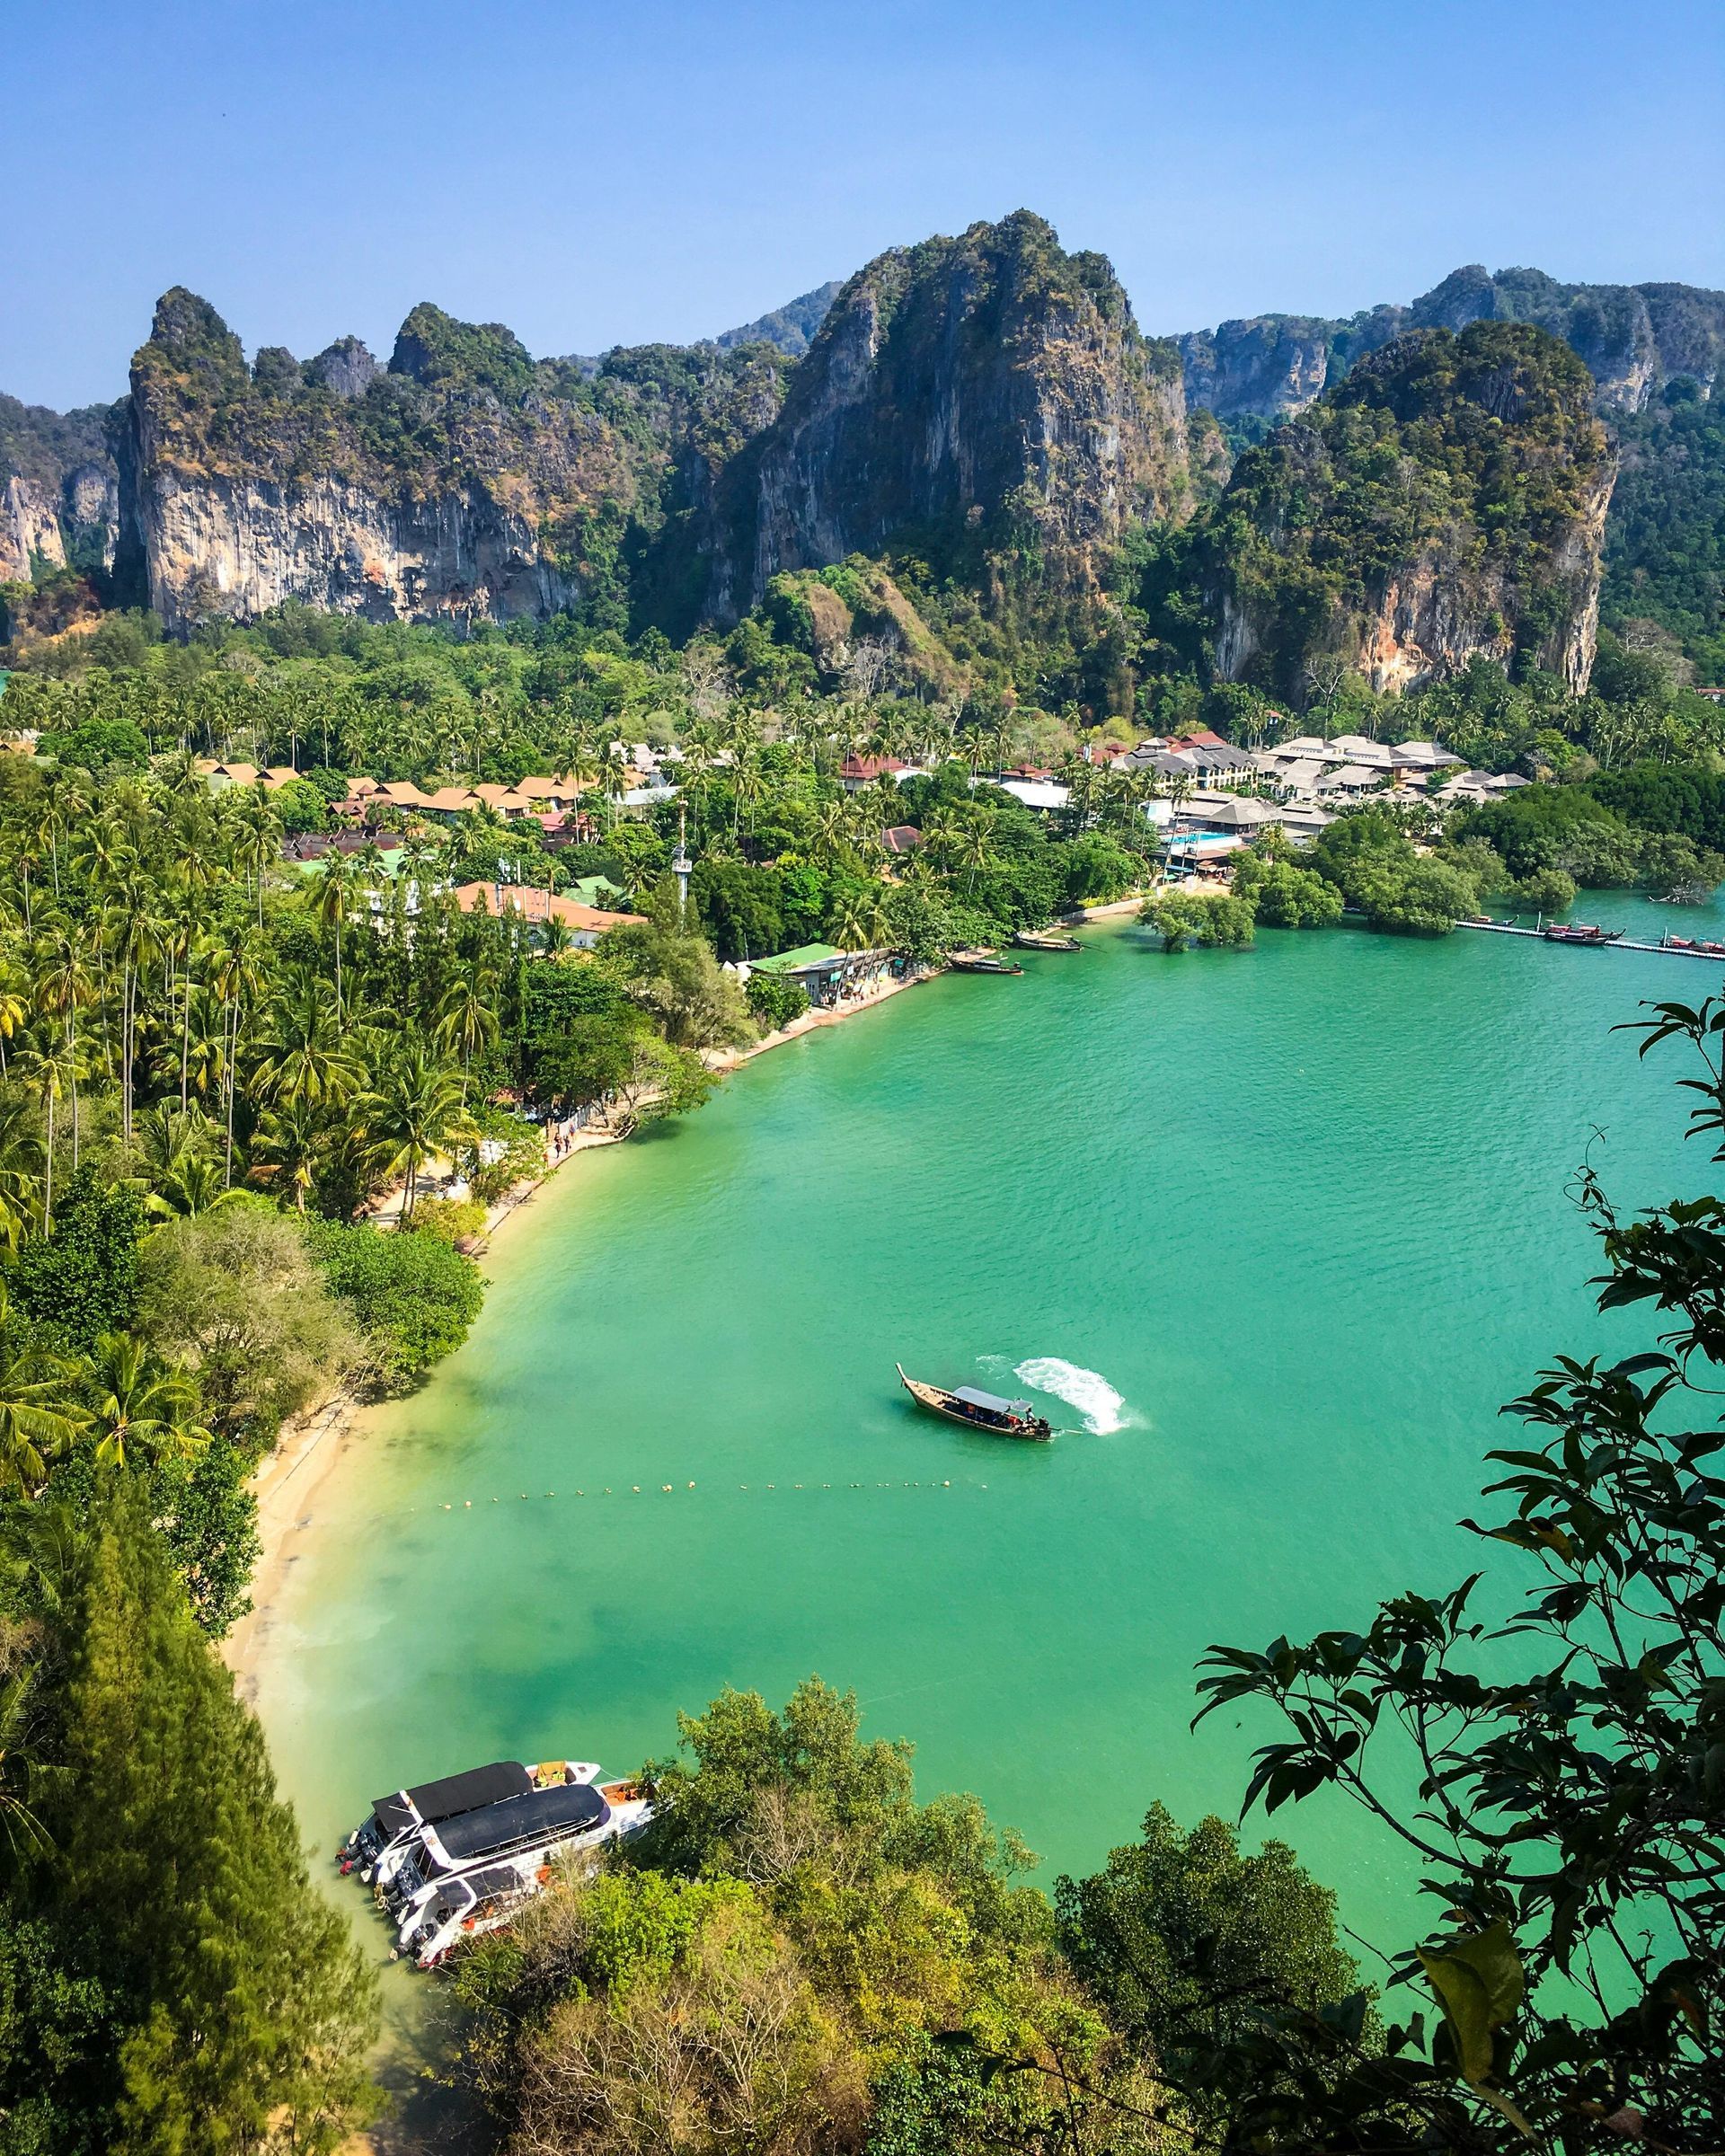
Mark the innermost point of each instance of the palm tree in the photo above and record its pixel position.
(141, 1403)
(22, 1159)
(467, 1021)
(415, 1110)
(38, 1417)
(13, 1008)
(973, 844)
(305, 1059)
(289, 1145)
(337, 891)
(63, 988)
(49, 1066)
(860, 922)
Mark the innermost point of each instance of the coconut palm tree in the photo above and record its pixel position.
(288, 1147)
(304, 1058)
(414, 1110)
(467, 1020)
(48, 1065)
(64, 987)
(38, 1413)
(140, 1403)
(338, 893)
(22, 1159)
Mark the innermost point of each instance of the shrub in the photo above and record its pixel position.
(775, 1002)
(413, 1296)
(451, 1220)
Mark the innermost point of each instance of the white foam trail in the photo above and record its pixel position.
(1100, 1406)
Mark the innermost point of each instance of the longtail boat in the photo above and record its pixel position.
(985, 1411)
(1582, 932)
(980, 961)
(1045, 939)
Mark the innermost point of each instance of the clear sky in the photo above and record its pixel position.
(595, 175)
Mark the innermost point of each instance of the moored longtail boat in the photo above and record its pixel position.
(1045, 939)
(984, 1412)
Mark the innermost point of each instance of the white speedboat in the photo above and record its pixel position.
(525, 1834)
(376, 1848)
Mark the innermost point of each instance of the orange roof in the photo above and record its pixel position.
(540, 789)
(536, 905)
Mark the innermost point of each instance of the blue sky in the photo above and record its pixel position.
(600, 175)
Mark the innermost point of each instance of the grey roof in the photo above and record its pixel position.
(1355, 774)
(995, 1404)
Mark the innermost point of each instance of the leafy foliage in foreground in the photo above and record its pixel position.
(169, 1977)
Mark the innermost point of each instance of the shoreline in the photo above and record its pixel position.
(289, 1482)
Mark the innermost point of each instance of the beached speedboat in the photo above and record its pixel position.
(466, 1908)
(1045, 939)
(526, 1834)
(980, 961)
(984, 1412)
(374, 1849)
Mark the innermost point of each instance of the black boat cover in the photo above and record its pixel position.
(471, 1888)
(522, 1821)
(991, 1402)
(448, 1799)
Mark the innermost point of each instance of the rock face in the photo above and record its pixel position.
(1447, 499)
(987, 399)
(1634, 339)
(59, 499)
(465, 482)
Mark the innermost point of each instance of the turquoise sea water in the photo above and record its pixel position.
(1283, 1227)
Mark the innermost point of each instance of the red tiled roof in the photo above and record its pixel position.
(536, 905)
(870, 767)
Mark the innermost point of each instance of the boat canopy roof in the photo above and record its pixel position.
(455, 1794)
(456, 1897)
(522, 1821)
(992, 1401)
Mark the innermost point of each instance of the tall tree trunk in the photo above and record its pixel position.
(232, 1056)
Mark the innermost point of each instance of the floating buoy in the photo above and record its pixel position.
(636, 1488)
(448, 1509)
(666, 1488)
(690, 1486)
(466, 1504)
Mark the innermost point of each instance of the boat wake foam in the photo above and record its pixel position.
(1100, 1407)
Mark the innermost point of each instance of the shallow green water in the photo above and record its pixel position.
(1301, 1209)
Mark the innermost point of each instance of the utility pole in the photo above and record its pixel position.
(681, 866)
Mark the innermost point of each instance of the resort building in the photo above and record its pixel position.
(584, 924)
(830, 976)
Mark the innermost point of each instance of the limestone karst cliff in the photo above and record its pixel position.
(1448, 498)
(985, 400)
(1634, 339)
(464, 482)
(983, 406)
(60, 502)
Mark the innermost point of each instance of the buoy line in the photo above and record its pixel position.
(670, 1489)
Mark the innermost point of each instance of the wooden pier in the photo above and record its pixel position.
(1668, 950)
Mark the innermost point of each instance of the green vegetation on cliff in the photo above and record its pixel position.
(1445, 500)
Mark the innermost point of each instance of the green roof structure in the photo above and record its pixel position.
(799, 960)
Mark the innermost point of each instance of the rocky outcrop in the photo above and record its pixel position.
(1634, 337)
(1449, 499)
(59, 503)
(988, 400)
(464, 482)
